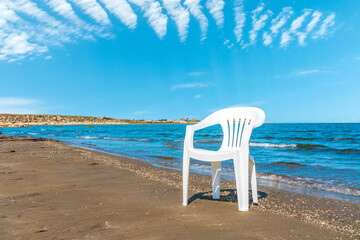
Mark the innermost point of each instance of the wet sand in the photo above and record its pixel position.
(49, 190)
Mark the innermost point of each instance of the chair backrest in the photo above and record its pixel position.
(237, 124)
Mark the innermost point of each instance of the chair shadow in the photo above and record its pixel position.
(226, 195)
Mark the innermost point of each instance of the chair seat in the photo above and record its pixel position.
(213, 156)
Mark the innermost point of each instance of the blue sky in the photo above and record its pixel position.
(145, 59)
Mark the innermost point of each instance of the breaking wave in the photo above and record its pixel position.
(129, 139)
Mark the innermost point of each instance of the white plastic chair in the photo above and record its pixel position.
(237, 125)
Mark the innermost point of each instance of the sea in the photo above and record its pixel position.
(318, 159)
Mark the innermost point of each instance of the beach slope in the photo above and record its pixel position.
(49, 190)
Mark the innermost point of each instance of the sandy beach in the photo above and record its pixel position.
(49, 190)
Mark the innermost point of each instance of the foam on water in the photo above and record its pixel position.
(272, 145)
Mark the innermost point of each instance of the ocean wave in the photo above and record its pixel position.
(290, 164)
(345, 138)
(310, 183)
(208, 141)
(268, 137)
(129, 139)
(88, 137)
(300, 139)
(309, 146)
(33, 133)
(349, 150)
(169, 144)
(272, 145)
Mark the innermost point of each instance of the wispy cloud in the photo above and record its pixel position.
(197, 96)
(31, 28)
(216, 9)
(16, 105)
(357, 58)
(190, 85)
(123, 11)
(240, 17)
(153, 12)
(196, 10)
(324, 28)
(180, 15)
(250, 104)
(307, 72)
(258, 22)
(276, 24)
(196, 74)
(94, 10)
(295, 25)
(63, 8)
(141, 112)
(315, 19)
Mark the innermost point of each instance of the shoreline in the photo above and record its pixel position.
(330, 217)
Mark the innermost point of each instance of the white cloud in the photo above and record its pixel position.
(190, 85)
(29, 8)
(123, 11)
(196, 10)
(257, 23)
(64, 9)
(240, 18)
(196, 74)
(357, 58)
(180, 15)
(250, 104)
(28, 28)
(328, 22)
(48, 57)
(94, 10)
(153, 11)
(310, 71)
(17, 46)
(39, 30)
(19, 105)
(295, 25)
(216, 8)
(307, 72)
(197, 96)
(141, 112)
(302, 35)
(276, 24)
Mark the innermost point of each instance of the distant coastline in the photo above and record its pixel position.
(25, 120)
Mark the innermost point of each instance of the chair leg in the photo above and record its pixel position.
(186, 168)
(253, 182)
(215, 170)
(242, 183)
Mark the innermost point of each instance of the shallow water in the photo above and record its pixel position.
(317, 159)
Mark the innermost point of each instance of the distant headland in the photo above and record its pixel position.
(25, 120)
